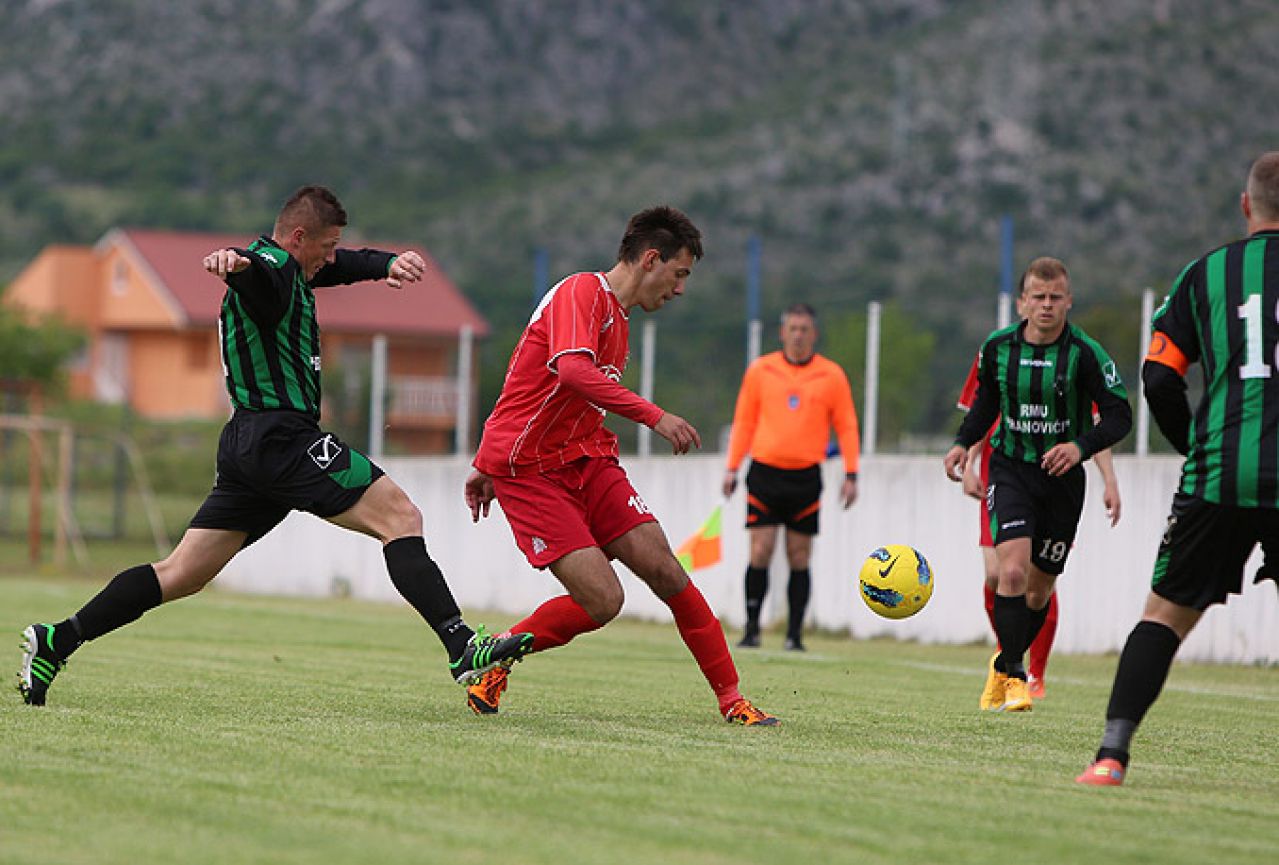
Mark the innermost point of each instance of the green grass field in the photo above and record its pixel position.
(227, 729)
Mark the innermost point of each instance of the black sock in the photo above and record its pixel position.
(66, 637)
(129, 594)
(756, 589)
(797, 593)
(1037, 619)
(417, 577)
(1012, 620)
(1143, 669)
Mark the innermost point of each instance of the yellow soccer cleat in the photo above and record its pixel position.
(1016, 696)
(992, 696)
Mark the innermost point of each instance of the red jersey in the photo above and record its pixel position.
(539, 424)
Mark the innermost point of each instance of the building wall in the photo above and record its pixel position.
(176, 374)
(62, 280)
(129, 299)
(902, 500)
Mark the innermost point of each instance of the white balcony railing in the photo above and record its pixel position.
(423, 397)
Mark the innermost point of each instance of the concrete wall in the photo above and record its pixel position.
(904, 499)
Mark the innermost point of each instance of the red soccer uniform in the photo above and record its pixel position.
(539, 424)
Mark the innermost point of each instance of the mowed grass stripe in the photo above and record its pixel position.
(243, 729)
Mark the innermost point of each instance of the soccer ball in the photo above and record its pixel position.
(896, 581)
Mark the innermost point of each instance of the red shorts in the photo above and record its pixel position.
(987, 539)
(587, 503)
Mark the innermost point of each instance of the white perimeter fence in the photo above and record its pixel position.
(903, 499)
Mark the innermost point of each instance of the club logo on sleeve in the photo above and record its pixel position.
(1111, 374)
(272, 256)
(325, 451)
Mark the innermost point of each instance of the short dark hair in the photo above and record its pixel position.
(799, 309)
(1263, 185)
(312, 207)
(1044, 268)
(662, 228)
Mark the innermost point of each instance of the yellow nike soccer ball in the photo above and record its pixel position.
(896, 581)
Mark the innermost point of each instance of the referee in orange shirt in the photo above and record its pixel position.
(788, 403)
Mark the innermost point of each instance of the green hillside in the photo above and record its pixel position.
(872, 146)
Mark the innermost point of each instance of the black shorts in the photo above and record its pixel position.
(273, 462)
(783, 497)
(1026, 502)
(1205, 547)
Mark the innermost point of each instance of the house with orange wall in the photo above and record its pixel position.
(151, 315)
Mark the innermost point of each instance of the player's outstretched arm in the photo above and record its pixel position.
(679, 432)
(223, 262)
(479, 495)
(407, 267)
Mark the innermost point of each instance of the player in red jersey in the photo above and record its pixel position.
(976, 481)
(548, 459)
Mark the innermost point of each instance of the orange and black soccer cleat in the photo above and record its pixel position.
(743, 712)
(485, 694)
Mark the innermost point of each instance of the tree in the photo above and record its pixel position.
(35, 352)
(905, 351)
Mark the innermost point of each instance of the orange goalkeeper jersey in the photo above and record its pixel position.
(785, 413)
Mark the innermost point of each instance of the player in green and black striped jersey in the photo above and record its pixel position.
(272, 455)
(1041, 378)
(269, 334)
(1222, 313)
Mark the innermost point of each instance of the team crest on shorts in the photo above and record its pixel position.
(325, 451)
(539, 546)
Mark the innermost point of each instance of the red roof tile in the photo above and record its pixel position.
(433, 306)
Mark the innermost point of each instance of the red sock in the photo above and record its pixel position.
(555, 623)
(1043, 644)
(705, 639)
(989, 594)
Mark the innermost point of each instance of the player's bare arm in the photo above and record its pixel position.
(1061, 458)
(971, 480)
(680, 433)
(848, 492)
(407, 267)
(224, 262)
(955, 461)
(479, 495)
(1105, 463)
(730, 483)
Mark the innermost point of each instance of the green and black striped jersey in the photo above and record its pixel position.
(1043, 395)
(268, 330)
(1223, 312)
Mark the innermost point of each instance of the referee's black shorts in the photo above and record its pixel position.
(1205, 547)
(784, 497)
(273, 462)
(1027, 502)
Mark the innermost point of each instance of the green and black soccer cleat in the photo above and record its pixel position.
(484, 652)
(40, 664)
